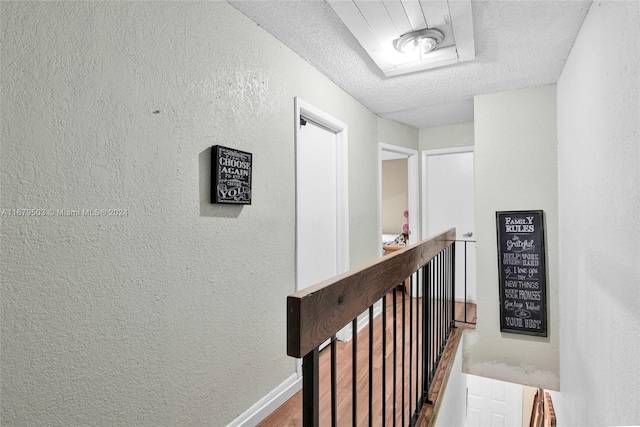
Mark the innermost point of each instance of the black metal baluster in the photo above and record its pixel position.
(427, 332)
(414, 378)
(334, 380)
(435, 315)
(430, 322)
(310, 389)
(395, 351)
(452, 289)
(448, 290)
(418, 339)
(423, 341)
(465, 281)
(447, 286)
(354, 373)
(447, 293)
(371, 366)
(443, 303)
(410, 347)
(438, 310)
(384, 361)
(404, 317)
(441, 306)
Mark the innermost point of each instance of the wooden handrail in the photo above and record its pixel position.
(316, 313)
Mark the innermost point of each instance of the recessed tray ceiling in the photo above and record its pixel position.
(377, 23)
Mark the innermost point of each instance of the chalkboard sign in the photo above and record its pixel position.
(522, 271)
(230, 176)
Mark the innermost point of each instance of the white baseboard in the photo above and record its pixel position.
(269, 403)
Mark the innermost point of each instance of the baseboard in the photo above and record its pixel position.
(269, 403)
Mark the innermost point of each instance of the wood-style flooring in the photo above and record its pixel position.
(290, 413)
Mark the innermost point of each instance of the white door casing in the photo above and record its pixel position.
(322, 120)
(322, 205)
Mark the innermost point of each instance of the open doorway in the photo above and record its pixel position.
(399, 193)
(395, 197)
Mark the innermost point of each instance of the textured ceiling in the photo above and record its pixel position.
(518, 44)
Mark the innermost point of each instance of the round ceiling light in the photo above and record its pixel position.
(421, 41)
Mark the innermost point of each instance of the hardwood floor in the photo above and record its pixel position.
(290, 413)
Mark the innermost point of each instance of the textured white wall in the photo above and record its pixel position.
(394, 133)
(175, 313)
(515, 169)
(599, 185)
(458, 135)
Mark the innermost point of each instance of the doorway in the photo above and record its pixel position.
(449, 201)
(393, 152)
(322, 206)
(394, 199)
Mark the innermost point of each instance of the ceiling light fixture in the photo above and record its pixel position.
(421, 41)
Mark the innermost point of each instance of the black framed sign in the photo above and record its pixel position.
(230, 176)
(522, 272)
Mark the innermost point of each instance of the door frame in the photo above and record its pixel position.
(425, 187)
(413, 190)
(311, 113)
(341, 130)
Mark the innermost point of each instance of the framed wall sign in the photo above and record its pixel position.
(230, 176)
(522, 272)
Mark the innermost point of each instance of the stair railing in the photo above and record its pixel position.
(410, 347)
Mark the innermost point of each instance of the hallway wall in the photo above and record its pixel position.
(599, 182)
(450, 136)
(394, 133)
(515, 169)
(173, 314)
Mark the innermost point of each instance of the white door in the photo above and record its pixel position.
(493, 403)
(449, 201)
(316, 190)
(322, 197)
